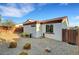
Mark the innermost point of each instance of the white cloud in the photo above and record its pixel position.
(65, 4)
(11, 4)
(42, 4)
(26, 8)
(76, 17)
(18, 9)
(10, 11)
(13, 11)
(74, 21)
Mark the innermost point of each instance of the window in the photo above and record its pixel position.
(49, 28)
(33, 25)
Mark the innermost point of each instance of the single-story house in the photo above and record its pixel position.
(51, 28)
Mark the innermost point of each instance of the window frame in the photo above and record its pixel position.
(49, 29)
(33, 25)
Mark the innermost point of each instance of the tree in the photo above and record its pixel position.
(8, 23)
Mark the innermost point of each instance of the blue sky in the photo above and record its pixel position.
(20, 12)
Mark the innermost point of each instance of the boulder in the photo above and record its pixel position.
(27, 46)
(13, 44)
(23, 53)
(47, 49)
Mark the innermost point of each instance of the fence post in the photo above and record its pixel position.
(77, 37)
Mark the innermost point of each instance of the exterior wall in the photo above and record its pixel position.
(57, 31)
(41, 28)
(30, 30)
(38, 30)
(35, 31)
(47, 35)
(65, 24)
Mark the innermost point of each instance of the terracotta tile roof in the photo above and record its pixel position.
(54, 20)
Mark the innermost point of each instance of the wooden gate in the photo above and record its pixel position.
(70, 36)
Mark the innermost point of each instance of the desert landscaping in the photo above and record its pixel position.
(39, 46)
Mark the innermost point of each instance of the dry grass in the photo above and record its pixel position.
(9, 36)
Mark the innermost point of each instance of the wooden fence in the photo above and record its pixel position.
(70, 36)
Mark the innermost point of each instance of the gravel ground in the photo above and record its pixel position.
(38, 47)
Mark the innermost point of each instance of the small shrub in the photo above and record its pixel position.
(27, 46)
(13, 44)
(24, 34)
(23, 53)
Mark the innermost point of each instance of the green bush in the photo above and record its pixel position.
(24, 34)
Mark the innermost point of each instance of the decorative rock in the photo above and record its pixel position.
(27, 46)
(13, 44)
(47, 49)
(23, 53)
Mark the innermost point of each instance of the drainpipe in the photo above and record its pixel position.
(43, 35)
(30, 35)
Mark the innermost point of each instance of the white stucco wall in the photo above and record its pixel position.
(30, 30)
(57, 31)
(38, 30)
(35, 31)
(41, 28)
